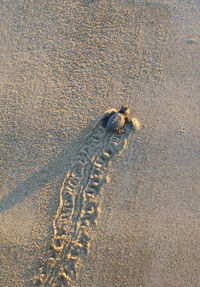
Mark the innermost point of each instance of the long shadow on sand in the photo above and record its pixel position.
(56, 168)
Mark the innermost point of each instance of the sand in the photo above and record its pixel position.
(63, 64)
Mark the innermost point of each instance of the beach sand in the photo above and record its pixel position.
(63, 65)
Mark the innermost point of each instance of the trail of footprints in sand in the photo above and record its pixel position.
(78, 209)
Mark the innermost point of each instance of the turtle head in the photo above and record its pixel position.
(124, 110)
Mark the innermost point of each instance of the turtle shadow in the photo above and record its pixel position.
(55, 170)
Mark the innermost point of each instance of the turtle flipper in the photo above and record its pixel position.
(133, 123)
(120, 131)
(106, 117)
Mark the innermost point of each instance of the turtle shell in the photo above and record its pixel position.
(116, 121)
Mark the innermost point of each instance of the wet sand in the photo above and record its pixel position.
(63, 65)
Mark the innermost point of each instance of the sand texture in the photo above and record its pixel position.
(81, 206)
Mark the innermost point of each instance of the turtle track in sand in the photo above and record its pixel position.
(78, 208)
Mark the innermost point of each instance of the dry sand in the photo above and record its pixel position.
(63, 64)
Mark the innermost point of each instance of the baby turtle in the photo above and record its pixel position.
(114, 120)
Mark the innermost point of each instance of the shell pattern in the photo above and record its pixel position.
(116, 121)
